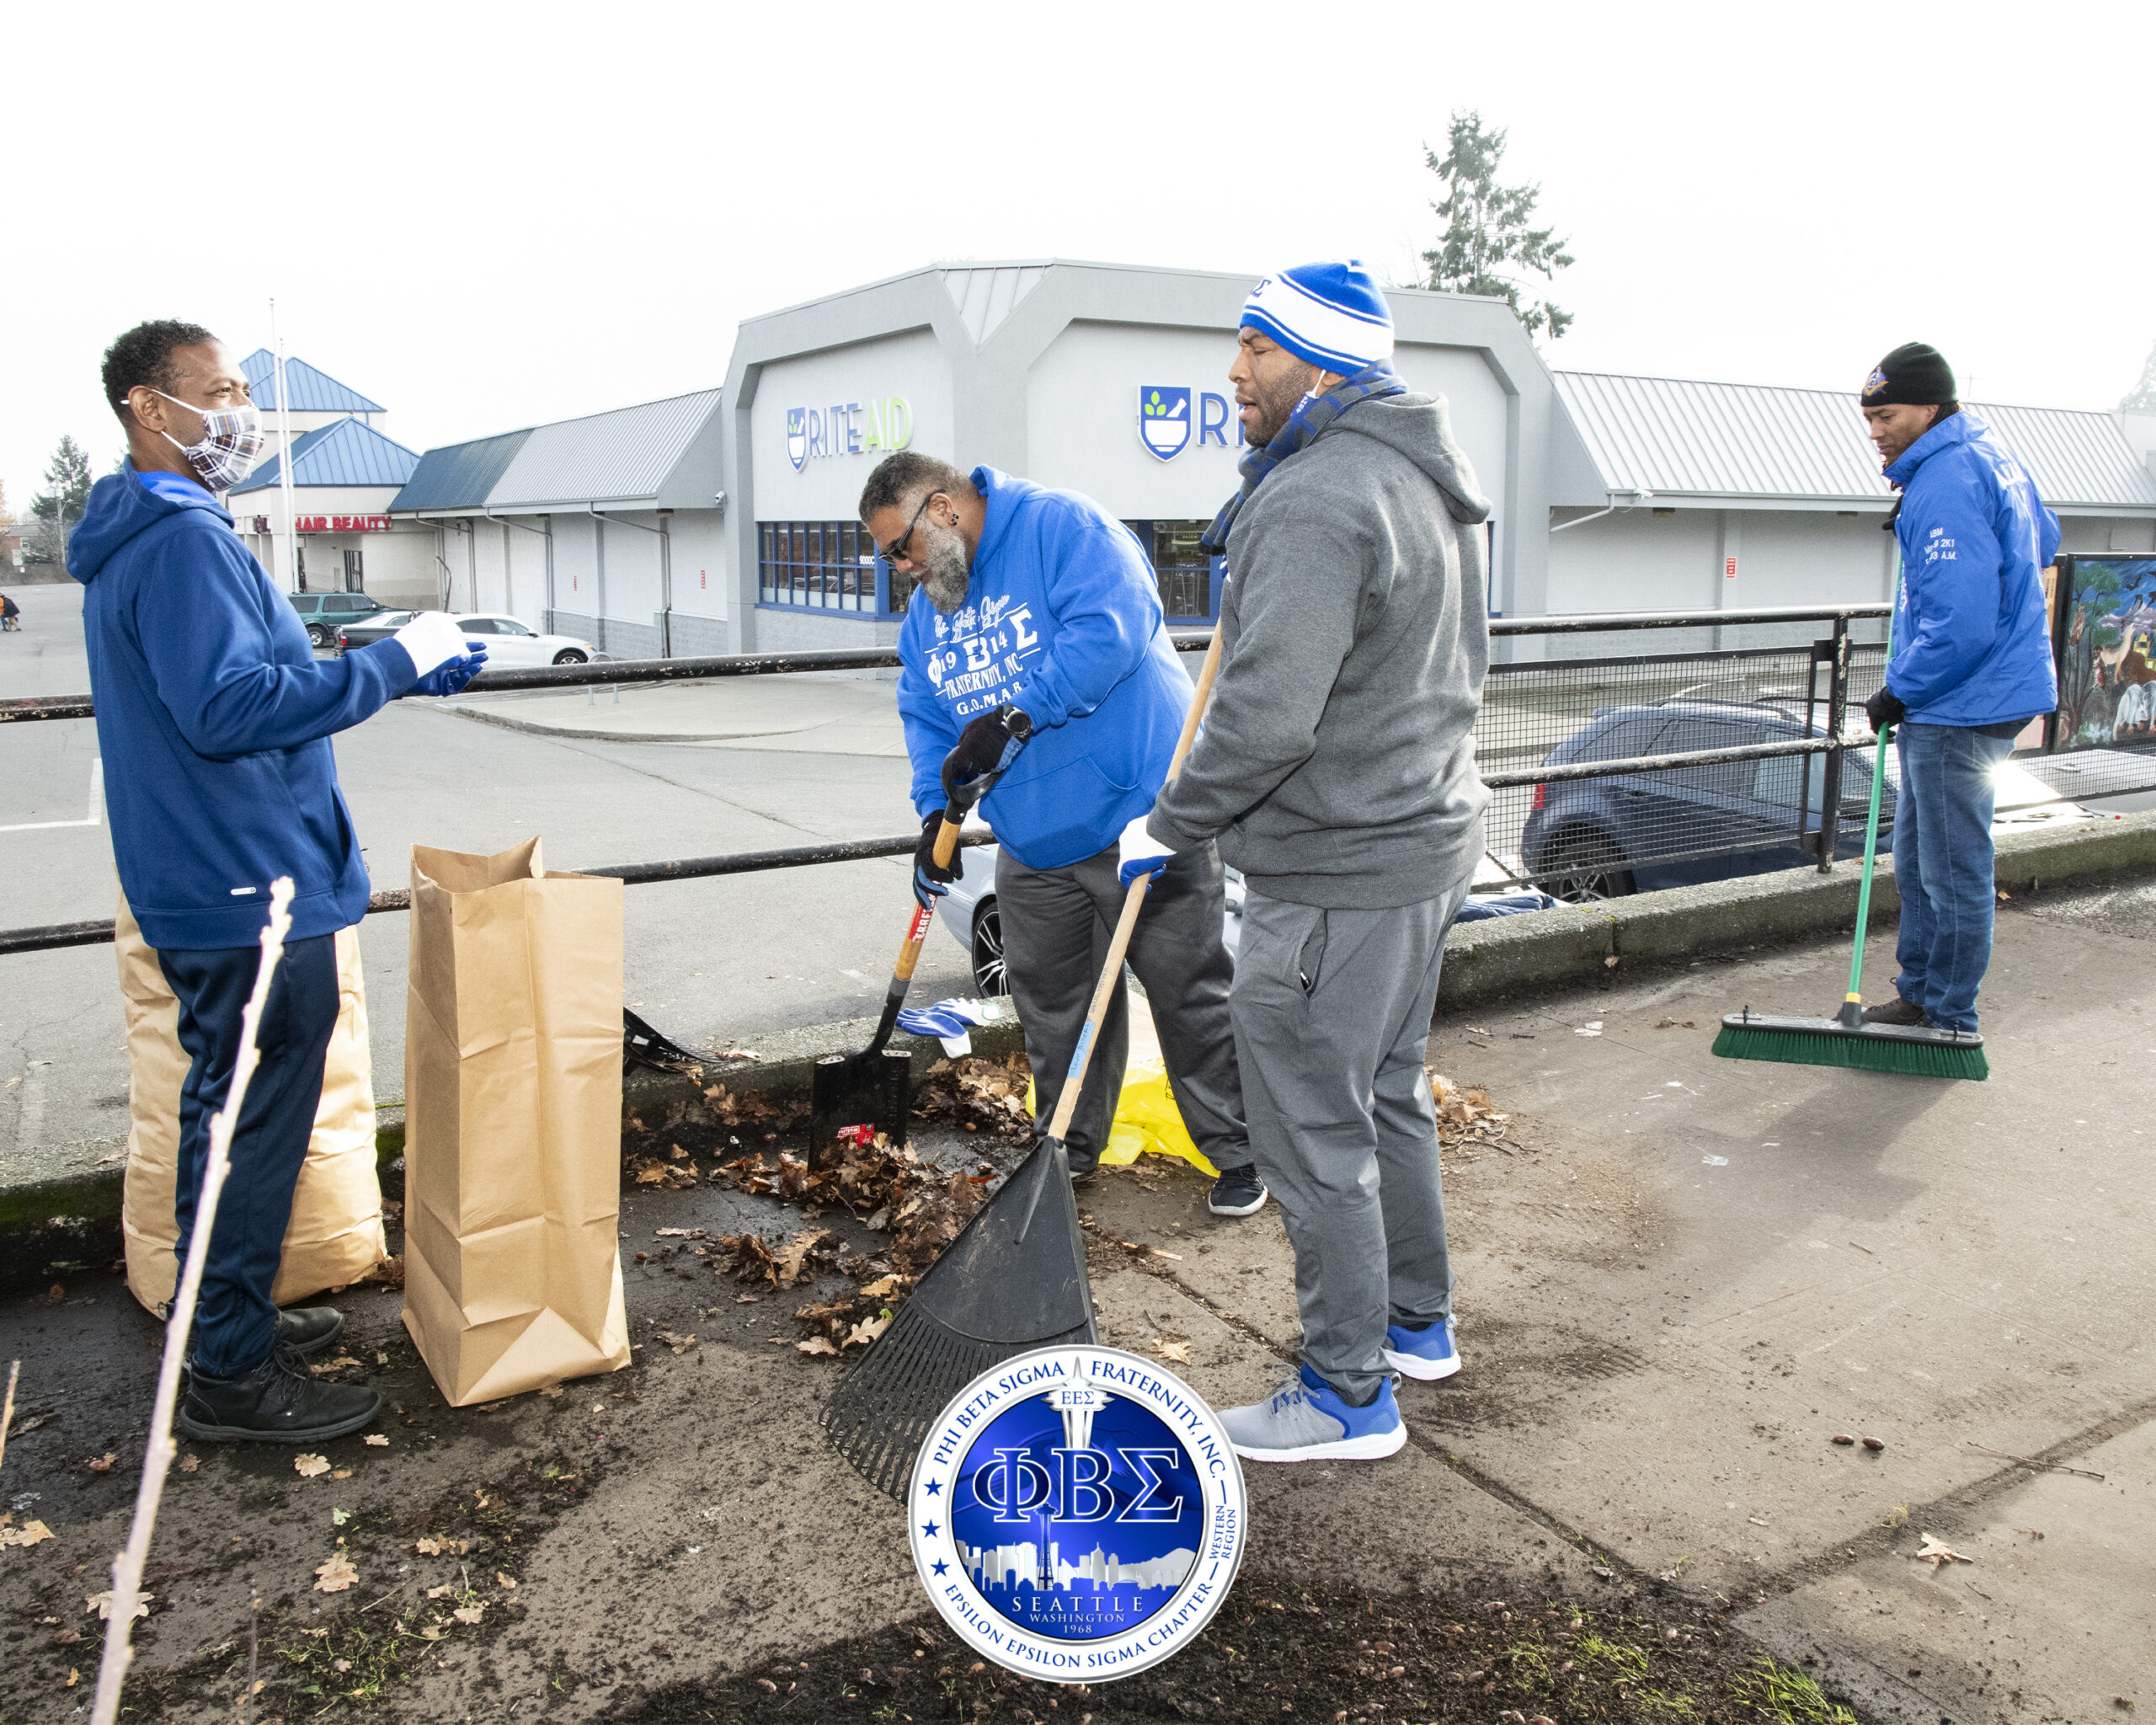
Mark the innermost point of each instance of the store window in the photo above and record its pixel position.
(1180, 566)
(355, 571)
(826, 566)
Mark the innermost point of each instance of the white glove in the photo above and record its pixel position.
(432, 640)
(1140, 852)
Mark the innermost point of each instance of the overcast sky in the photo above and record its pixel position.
(485, 218)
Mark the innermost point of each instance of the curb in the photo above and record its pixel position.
(1552, 952)
(1561, 950)
(604, 736)
(55, 1225)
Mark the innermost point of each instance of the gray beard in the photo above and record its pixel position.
(946, 576)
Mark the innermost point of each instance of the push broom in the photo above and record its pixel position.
(1909, 1050)
(1014, 1278)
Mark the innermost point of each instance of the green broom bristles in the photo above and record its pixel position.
(1832, 1046)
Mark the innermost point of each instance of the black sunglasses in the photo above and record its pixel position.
(896, 550)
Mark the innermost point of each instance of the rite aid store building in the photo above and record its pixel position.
(1110, 379)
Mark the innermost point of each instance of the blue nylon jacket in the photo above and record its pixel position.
(214, 720)
(1062, 619)
(1972, 643)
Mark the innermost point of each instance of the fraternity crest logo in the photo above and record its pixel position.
(1164, 419)
(1875, 382)
(1076, 1514)
(797, 437)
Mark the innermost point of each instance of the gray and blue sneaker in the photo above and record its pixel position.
(1307, 1420)
(1427, 1353)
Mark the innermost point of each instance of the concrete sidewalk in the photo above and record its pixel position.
(820, 712)
(1680, 1277)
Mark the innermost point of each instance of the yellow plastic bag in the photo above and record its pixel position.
(1147, 1121)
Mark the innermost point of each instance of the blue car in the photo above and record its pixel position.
(1598, 838)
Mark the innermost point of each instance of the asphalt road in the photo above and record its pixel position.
(706, 961)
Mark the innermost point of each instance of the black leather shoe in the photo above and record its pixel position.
(309, 1329)
(275, 1403)
(1897, 1011)
(1238, 1191)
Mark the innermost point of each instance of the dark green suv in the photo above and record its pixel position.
(325, 613)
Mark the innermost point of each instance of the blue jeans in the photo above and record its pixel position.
(1943, 867)
(235, 1324)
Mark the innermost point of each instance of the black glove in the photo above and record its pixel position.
(1884, 709)
(930, 879)
(986, 747)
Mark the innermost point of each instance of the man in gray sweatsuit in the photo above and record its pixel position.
(1337, 770)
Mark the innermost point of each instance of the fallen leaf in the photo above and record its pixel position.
(679, 1344)
(1179, 1352)
(433, 1631)
(552, 1391)
(442, 1592)
(1936, 1551)
(340, 1664)
(866, 1331)
(382, 1360)
(56, 1295)
(506, 1581)
(308, 1466)
(429, 1548)
(376, 1440)
(340, 1473)
(102, 1604)
(815, 1345)
(469, 1614)
(337, 1364)
(336, 1575)
(188, 1464)
(1611, 961)
(338, 1517)
(28, 1533)
(74, 1677)
(880, 1287)
(101, 1464)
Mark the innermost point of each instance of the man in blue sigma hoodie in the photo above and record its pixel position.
(214, 721)
(1971, 665)
(1035, 650)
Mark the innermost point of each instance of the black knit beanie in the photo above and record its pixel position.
(1915, 373)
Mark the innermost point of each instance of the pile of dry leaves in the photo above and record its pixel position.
(1464, 1117)
(881, 1185)
(977, 1095)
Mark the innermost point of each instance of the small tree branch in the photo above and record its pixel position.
(127, 1567)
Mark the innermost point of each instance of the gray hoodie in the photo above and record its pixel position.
(1337, 763)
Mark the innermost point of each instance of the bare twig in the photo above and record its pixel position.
(7, 1413)
(254, 1619)
(2041, 1466)
(127, 1567)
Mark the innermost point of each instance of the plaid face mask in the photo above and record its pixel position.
(231, 439)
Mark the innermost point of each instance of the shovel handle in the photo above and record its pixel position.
(1081, 1057)
(924, 916)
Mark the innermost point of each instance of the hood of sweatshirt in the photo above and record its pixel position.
(121, 508)
(1419, 427)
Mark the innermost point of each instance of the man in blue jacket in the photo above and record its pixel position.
(1035, 651)
(1971, 665)
(214, 721)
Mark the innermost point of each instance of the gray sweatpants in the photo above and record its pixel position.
(1331, 1011)
(1056, 923)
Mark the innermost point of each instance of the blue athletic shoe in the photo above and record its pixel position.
(1306, 1420)
(1428, 1354)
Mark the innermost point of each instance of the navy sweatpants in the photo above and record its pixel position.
(235, 1324)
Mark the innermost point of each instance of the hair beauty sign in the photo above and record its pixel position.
(1076, 1514)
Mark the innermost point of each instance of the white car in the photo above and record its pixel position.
(515, 646)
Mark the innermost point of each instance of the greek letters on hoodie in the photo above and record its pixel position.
(1971, 643)
(1062, 618)
(213, 720)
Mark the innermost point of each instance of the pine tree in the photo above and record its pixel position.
(61, 504)
(1487, 234)
(2142, 398)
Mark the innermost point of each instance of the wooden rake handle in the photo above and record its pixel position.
(1081, 1057)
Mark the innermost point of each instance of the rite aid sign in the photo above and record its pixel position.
(1169, 416)
(847, 427)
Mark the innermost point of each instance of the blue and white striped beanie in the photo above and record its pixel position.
(1333, 315)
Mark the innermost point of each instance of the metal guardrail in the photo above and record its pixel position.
(1561, 676)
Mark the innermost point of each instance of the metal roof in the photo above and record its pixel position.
(459, 475)
(985, 295)
(348, 452)
(620, 457)
(1679, 438)
(313, 391)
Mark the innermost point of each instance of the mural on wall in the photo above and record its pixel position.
(2107, 667)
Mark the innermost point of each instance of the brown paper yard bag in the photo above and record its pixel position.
(513, 1123)
(334, 1237)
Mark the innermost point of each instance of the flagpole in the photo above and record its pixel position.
(284, 457)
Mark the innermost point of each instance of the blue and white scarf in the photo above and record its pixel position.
(1313, 415)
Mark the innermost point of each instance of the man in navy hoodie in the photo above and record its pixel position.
(1971, 666)
(1035, 651)
(214, 720)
